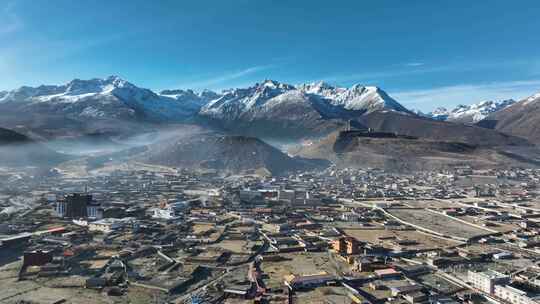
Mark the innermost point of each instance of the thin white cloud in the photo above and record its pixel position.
(11, 21)
(414, 64)
(223, 80)
(449, 96)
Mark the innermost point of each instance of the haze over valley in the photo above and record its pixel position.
(100, 116)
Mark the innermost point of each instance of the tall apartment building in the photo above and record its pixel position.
(77, 206)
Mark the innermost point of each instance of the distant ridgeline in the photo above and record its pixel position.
(346, 137)
(373, 134)
(357, 129)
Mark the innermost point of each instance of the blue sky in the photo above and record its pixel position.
(424, 53)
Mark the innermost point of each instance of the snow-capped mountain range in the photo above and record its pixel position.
(356, 98)
(267, 109)
(114, 97)
(111, 97)
(271, 110)
(269, 97)
(470, 114)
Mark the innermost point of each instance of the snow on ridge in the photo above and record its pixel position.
(72, 91)
(532, 98)
(357, 97)
(108, 97)
(233, 102)
(470, 113)
(102, 97)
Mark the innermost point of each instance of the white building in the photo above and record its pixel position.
(108, 225)
(350, 217)
(307, 281)
(60, 208)
(170, 211)
(105, 225)
(486, 280)
(514, 295)
(503, 255)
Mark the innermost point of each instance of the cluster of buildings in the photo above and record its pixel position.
(362, 236)
(518, 289)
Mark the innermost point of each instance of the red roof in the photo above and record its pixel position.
(56, 229)
(387, 271)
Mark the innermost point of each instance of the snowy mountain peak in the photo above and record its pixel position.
(189, 98)
(359, 87)
(326, 98)
(317, 87)
(270, 84)
(74, 88)
(109, 97)
(114, 97)
(204, 94)
(533, 98)
(97, 85)
(470, 113)
(274, 85)
(355, 98)
(208, 94)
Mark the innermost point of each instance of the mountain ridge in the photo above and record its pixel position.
(269, 110)
(263, 106)
(469, 114)
(520, 119)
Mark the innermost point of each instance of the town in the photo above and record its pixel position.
(163, 235)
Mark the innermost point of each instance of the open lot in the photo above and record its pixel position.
(202, 228)
(376, 236)
(300, 263)
(436, 204)
(237, 246)
(438, 223)
(45, 290)
(323, 295)
(498, 226)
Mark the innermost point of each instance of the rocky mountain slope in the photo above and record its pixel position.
(9, 137)
(232, 154)
(430, 129)
(403, 154)
(520, 119)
